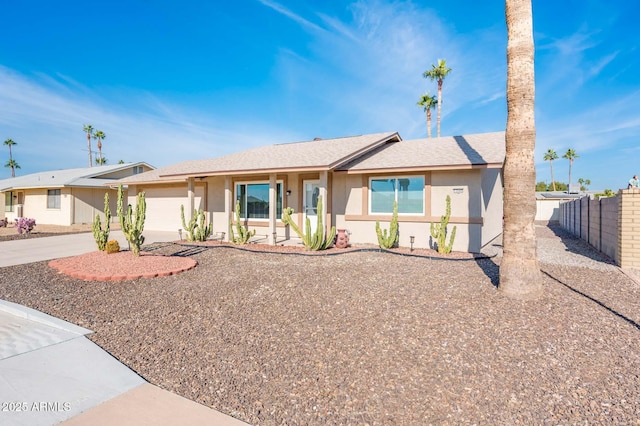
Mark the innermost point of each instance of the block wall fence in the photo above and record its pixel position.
(611, 225)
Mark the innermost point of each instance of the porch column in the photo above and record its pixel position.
(272, 208)
(324, 193)
(191, 198)
(228, 205)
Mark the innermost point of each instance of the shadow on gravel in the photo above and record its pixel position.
(490, 269)
(596, 301)
(575, 244)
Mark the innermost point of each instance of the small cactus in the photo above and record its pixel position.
(196, 227)
(102, 235)
(242, 234)
(439, 231)
(387, 241)
(132, 226)
(112, 246)
(312, 241)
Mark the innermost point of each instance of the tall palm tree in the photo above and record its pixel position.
(438, 73)
(101, 161)
(99, 135)
(549, 156)
(10, 143)
(88, 129)
(12, 163)
(520, 275)
(570, 155)
(428, 102)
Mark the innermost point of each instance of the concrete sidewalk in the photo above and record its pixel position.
(19, 252)
(51, 373)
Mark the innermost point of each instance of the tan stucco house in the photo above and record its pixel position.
(359, 176)
(64, 197)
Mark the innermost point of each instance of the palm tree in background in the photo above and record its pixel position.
(428, 102)
(10, 143)
(88, 129)
(549, 156)
(520, 275)
(570, 155)
(12, 163)
(101, 161)
(99, 136)
(438, 73)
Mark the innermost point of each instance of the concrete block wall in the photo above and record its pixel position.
(628, 255)
(601, 224)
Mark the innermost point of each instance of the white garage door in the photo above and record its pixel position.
(163, 207)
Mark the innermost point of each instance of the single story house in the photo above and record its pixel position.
(64, 197)
(360, 177)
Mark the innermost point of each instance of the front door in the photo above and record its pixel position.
(310, 202)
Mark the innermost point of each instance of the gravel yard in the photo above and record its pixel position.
(368, 338)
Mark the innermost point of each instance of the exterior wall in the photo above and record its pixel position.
(548, 209)
(88, 202)
(35, 207)
(163, 204)
(596, 222)
(123, 173)
(492, 204)
(628, 254)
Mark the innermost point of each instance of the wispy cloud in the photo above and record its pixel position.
(289, 14)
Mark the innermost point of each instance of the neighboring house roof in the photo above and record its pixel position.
(83, 177)
(451, 152)
(320, 154)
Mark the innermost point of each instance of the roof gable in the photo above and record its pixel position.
(445, 152)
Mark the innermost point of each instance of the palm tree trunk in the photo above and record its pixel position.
(520, 275)
(89, 147)
(553, 182)
(429, 123)
(439, 105)
(570, 163)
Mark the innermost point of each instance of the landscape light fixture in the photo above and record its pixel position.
(412, 239)
(275, 235)
(180, 233)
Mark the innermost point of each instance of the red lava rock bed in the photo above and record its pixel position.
(124, 265)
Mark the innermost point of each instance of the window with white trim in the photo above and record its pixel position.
(408, 191)
(254, 200)
(8, 201)
(53, 198)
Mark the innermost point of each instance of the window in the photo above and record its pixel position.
(53, 199)
(254, 200)
(8, 201)
(407, 191)
(137, 170)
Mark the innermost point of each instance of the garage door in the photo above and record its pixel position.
(163, 207)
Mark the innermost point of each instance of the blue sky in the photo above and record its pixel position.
(169, 81)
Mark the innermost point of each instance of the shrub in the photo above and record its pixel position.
(112, 246)
(24, 225)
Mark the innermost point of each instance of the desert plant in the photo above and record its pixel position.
(24, 225)
(312, 241)
(132, 226)
(196, 228)
(112, 246)
(102, 235)
(242, 234)
(388, 240)
(439, 231)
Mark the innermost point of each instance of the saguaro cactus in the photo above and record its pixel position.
(102, 235)
(312, 241)
(242, 234)
(196, 228)
(439, 231)
(132, 226)
(386, 241)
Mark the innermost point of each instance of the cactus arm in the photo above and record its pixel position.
(387, 240)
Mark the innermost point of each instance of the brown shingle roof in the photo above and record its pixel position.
(444, 152)
(323, 154)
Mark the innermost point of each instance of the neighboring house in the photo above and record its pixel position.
(548, 203)
(65, 197)
(359, 177)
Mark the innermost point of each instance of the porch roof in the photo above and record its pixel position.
(450, 152)
(319, 154)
